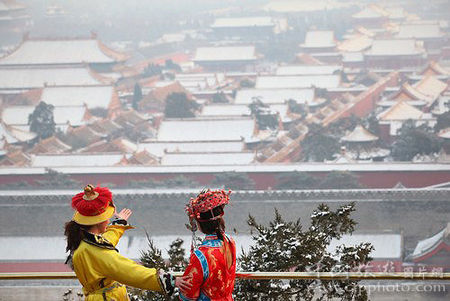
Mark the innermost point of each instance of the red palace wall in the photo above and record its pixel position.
(263, 180)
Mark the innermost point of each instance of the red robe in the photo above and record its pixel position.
(211, 277)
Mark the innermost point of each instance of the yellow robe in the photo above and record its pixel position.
(103, 272)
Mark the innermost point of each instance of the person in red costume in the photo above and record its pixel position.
(212, 266)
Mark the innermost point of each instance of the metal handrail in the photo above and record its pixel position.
(265, 276)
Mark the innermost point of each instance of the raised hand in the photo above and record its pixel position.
(124, 214)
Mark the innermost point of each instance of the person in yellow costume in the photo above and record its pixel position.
(91, 243)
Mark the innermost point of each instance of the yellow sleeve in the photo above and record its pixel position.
(119, 268)
(114, 232)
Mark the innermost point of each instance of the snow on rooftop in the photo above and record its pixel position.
(420, 31)
(308, 70)
(39, 77)
(426, 245)
(208, 158)
(225, 110)
(360, 134)
(93, 97)
(243, 22)
(319, 39)
(237, 53)
(18, 115)
(401, 111)
(297, 82)
(250, 168)
(393, 47)
(386, 245)
(355, 44)
(47, 52)
(75, 160)
(285, 6)
(274, 96)
(159, 148)
(206, 129)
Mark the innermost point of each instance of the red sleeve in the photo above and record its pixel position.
(195, 273)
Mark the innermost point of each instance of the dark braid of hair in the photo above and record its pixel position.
(216, 226)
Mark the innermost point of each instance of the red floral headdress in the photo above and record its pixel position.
(92, 201)
(206, 201)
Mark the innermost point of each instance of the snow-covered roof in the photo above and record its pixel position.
(445, 133)
(420, 31)
(75, 160)
(370, 12)
(319, 39)
(243, 22)
(206, 129)
(359, 134)
(427, 245)
(308, 69)
(386, 245)
(18, 115)
(93, 97)
(21, 78)
(297, 82)
(237, 53)
(226, 110)
(10, 5)
(273, 96)
(285, 6)
(401, 111)
(348, 57)
(355, 44)
(394, 47)
(249, 168)
(431, 86)
(160, 148)
(207, 158)
(51, 52)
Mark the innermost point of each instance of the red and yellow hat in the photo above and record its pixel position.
(93, 206)
(207, 200)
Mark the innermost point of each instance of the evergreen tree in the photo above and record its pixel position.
(179, 106)
(266, 119)
(177, 256)
(41, 120)
(233, 180)
(285, 246)
(296, 180)
(137, 96)
(219, 97)
(150, 258)
(319, 145)
(443, 122)
(340, 180)
(413, 140)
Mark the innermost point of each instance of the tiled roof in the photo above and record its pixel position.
(243, 22)
(355, 44)
(308, 69)
(274, 96)
(51, 52)
(39, 77)
(206, 129)
(420, 31)
(359, 134)
(238, 53)
(50, 145)
(319, 39)
(401, 111)
(297, 82)
(394, 47)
